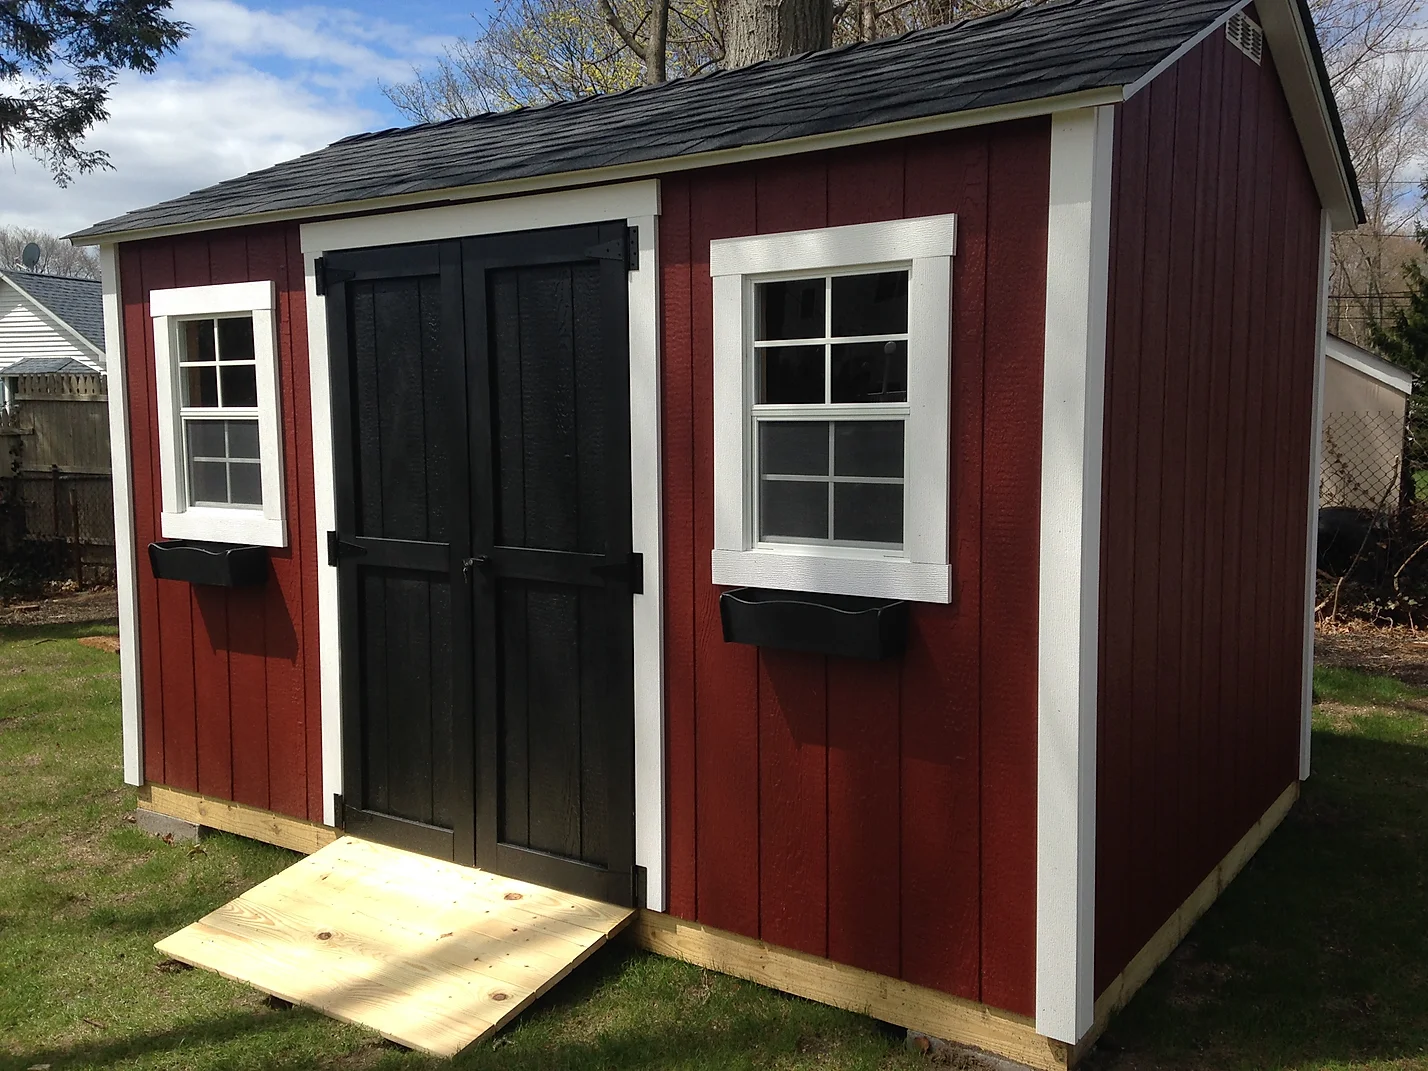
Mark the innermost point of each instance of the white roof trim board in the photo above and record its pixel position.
(1372, 365)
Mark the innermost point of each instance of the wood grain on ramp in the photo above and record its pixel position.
(429, 954)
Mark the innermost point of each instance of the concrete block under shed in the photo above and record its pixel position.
(168, 829)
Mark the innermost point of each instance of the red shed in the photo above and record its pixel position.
(856, 509)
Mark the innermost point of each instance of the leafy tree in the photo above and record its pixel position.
(57, 256)
(540, 51)
(58, 60)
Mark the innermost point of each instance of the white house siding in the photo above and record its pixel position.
(26, 333)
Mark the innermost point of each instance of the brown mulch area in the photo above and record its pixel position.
(63, 608)
(1390, 652)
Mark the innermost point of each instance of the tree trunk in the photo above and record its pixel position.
(657, 42)
(870, 20)
(768, 29)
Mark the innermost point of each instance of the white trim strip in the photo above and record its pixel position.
(1311, 543)
(325, 507)
(1073, 399)
(1370, 364)
(646, 168)
(831, 248)
(638, 205)
(1184, 50)
(126, 569)
(211, 300)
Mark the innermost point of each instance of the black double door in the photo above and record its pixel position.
(481, 437)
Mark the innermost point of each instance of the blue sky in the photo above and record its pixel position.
(258, 81)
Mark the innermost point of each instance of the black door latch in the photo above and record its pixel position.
(341, 548)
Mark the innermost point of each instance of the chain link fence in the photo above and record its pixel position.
(1362, 463)
(58, 525)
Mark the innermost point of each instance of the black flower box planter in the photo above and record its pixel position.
(226, 565)
(846, 626)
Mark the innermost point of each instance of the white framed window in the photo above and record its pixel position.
(831, 399)
(220, 440)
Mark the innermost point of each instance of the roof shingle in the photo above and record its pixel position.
(78, 302)
(1025, 54)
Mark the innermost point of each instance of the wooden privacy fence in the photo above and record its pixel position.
(73, 511)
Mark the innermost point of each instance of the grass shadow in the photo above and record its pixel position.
(1317, 954)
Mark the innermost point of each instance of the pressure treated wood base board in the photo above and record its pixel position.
(1155, 951)
(431, 955)
(239, 818)
(938, 1014)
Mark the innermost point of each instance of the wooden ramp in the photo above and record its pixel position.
(431, 955)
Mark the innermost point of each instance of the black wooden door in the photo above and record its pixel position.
(481, 391)
(547, 335)
(396, 338)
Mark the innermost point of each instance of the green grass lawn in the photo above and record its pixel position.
(1316, 958)
(84, 896)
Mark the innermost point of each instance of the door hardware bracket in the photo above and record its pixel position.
(631, 569)
(341, 548)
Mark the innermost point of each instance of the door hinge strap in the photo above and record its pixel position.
(631, 570)
(324, 275)
(341, 548)
(339, 816)
(626, 250)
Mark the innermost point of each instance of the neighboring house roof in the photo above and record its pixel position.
(39, 366)
(60, 312)
(1391, 375)
(1074, 52)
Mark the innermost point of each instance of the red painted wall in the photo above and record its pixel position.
(230, 689)
(1214, 275)
(881, 814)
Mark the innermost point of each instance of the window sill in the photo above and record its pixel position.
(833, 574)
(218, 525)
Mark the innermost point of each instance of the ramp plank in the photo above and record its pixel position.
(431, 955)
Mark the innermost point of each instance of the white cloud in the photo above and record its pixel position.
(248, 89)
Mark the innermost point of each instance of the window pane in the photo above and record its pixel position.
(790, 375)
(205, 438)
(242, 438)
(200, 386)
(196, 340)
(793, 510)
(240, 385)
(867, 448)
(245, 481)
(870, 372)
(209, 482)
(868, 512)
(235, 338)
(790, 309)
(870, 304)
(794, 447)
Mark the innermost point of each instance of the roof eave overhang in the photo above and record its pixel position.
(1394, 377)
(1288, 32)
(643, 169)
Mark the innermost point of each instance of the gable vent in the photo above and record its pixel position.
(1244, 33)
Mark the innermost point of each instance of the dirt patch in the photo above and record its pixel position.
(1401, 653)
(101, 643)
(63, 608)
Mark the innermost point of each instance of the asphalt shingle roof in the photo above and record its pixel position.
(78, 302)
(1025, 54)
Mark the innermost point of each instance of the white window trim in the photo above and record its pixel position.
(267, 526)
(921, 571)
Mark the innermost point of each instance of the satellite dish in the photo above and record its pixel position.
(30, 256)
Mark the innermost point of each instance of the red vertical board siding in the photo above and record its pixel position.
(794, 688)
(915, 779)
(725, 674)
(1209, 376)
(677, 468)
(225, 673)
(940, 769)
(1011, 519)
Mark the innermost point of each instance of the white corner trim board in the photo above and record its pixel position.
(180, 519)
(920, 570)
(1073, 400)
(126, 574)
(1311, 539)
(638, 204)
